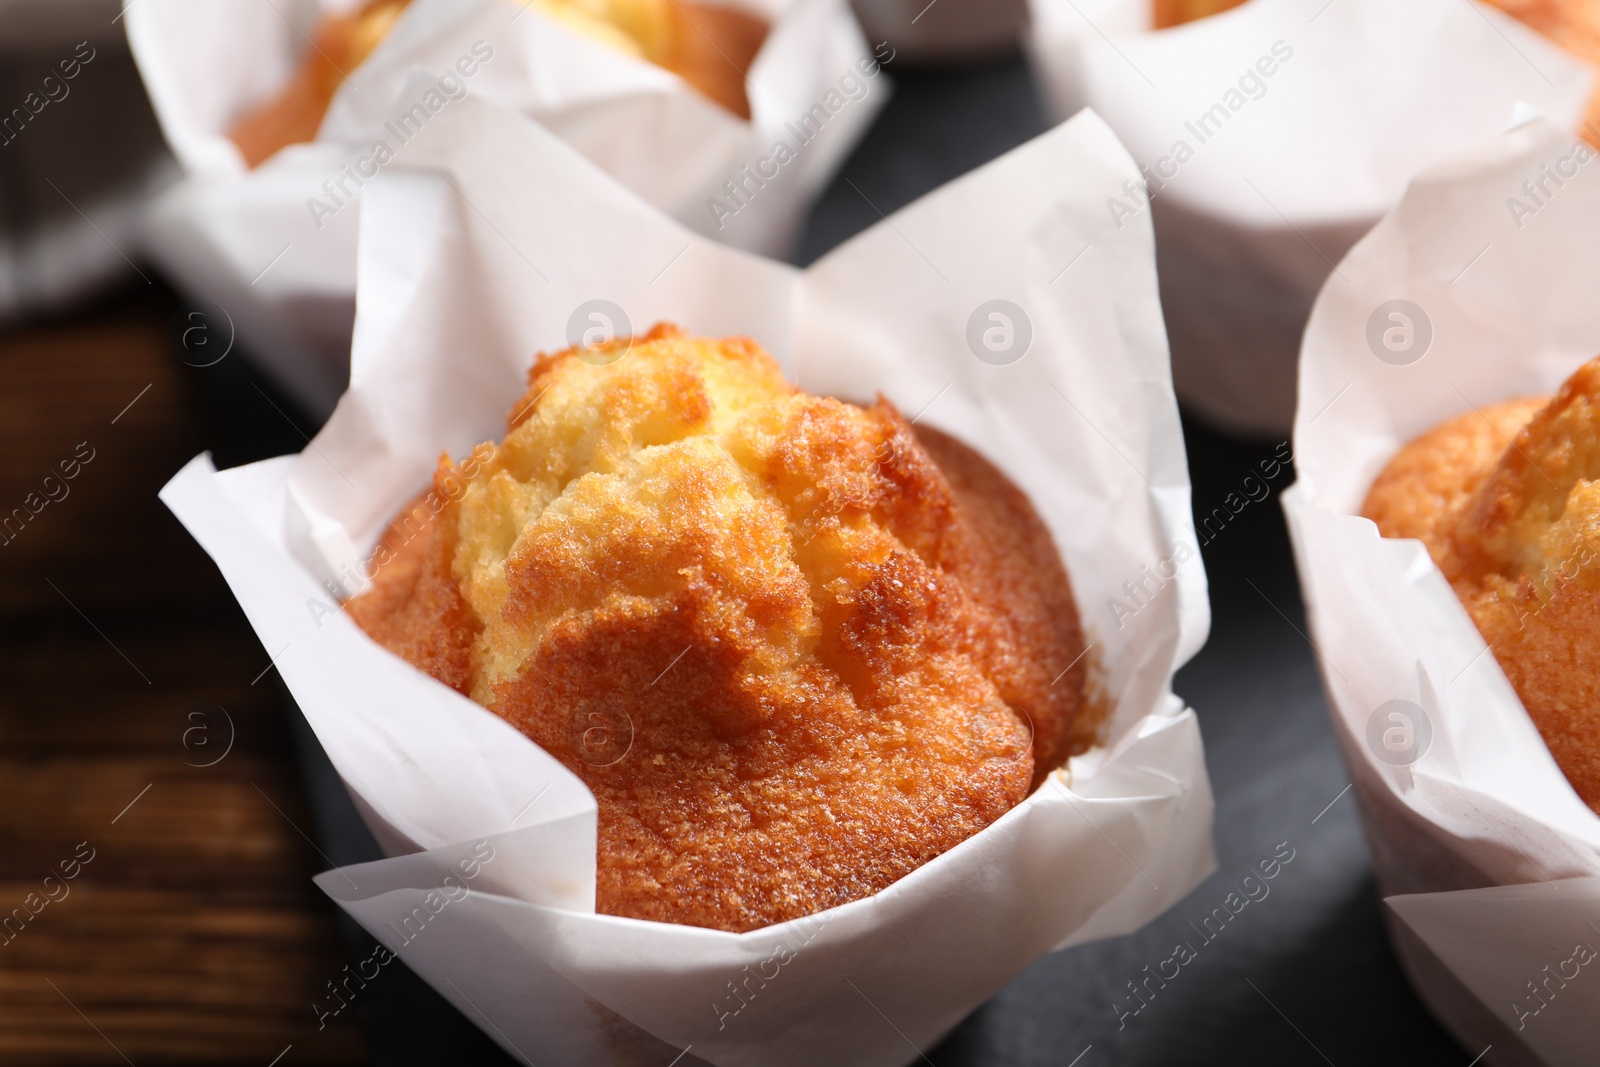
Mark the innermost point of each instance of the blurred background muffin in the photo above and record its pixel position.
(708, 46)
(1575, 26)
(1572, 24)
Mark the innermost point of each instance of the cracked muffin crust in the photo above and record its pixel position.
(795, 647)
(1507, 500)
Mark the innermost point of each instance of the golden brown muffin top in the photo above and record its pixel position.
(1507, 500)
(792, 659)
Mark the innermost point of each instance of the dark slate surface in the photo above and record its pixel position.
(1303, 975)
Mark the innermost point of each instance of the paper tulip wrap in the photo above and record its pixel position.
(1471, 291)
(1271, 138)
(271, 252)
(463, 277)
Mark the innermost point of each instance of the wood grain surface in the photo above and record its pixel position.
(194, 934)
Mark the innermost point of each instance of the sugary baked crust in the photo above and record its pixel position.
(1508, 503)
(795, 647)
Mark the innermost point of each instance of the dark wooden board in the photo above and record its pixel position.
(194, 935)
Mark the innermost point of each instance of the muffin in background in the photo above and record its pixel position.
(339, 44)
(710, 47)
(1575, 26)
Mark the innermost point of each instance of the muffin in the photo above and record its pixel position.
(709, 47)
(340, 44)
(795, 647)
(1507, 500)
(1574, 25)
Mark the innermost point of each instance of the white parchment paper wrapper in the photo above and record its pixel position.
(282, 273)
(1292, 166)
(463, 277)
(1503, 305)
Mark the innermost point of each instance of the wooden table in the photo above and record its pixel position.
(194, 934)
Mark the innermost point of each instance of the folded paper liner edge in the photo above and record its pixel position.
(1147, 796)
